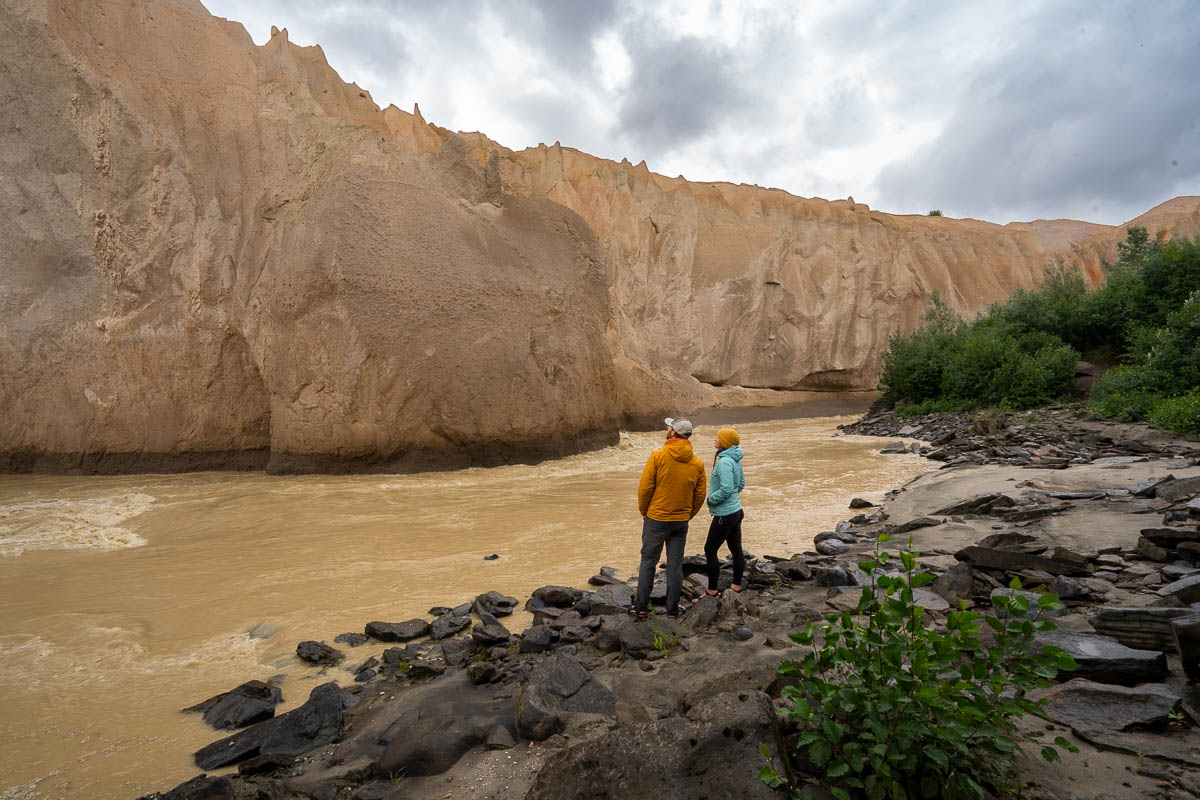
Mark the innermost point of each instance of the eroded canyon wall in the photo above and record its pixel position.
(214, 255)
(217, 254)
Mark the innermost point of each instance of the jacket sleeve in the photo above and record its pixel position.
(701, 489)
(722, 485)
(646, 485)
(741, 482)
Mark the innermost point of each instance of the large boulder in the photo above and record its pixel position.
(675, 757)
(318, 653)
(558, 596)
(572, 685)
(611, 599)
(253, 701)
(398, 631)
(447, 625)
(436, 726)
(1103, 659)
(317, 722)
(494, 603)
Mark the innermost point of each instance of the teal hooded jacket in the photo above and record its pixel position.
(727, 482)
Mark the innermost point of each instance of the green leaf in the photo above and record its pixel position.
(766, 751)
(885, 537)
(1048, 601)
(1050, 754)
(938, 756)
(923, 579)
(820, 752)
(837, 769)
(1015, 584)
(840, 794)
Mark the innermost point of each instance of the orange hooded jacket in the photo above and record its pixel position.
(673, 483)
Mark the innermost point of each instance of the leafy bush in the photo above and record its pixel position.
(1034, 379)
(937, 212)
(1179, 414)
(1021, 353)
(912, 366)
(887, 707)
(1122, 394)
(934, 407)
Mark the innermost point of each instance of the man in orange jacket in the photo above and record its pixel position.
(670, 493)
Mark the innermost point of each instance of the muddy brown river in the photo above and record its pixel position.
(123, 599)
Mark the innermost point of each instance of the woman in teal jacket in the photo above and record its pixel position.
(726, 484)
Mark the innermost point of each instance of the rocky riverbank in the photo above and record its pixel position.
(588, 702)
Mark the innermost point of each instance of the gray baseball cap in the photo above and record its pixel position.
(682, 426)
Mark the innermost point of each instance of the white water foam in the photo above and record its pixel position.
(73, 524)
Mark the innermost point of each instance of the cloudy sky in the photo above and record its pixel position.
(1000, 111)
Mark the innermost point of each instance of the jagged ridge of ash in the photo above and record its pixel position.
(222, 255)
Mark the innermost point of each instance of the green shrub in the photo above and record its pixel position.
(887, 707)
(1122, 394)
(937, 212)
(934, 407)
(1035, 379)
(912, 366)
(1178, 414)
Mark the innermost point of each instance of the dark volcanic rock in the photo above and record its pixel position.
(1106, 660)
(558, 596)
(835, 576)
(572, 685)
(201, 787)
(447, 625)
(1015, 561)
(251, 702)
(539, 715)
(611, 599)
(398, 631)
(317, 722)
(831, 547)
(494, 603)
(537, 639)
(445, 720)
(318, 653)
(858, 502)
(490, 635)
(455, 651)
(352, 639)
(956, 583)
(674, 757)
(500, 739)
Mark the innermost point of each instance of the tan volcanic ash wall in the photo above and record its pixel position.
(215, 252)
(218, 254)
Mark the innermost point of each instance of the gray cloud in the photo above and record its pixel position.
(680, 90)
(1077, 108)
(1089, 114)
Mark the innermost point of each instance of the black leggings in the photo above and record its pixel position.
(725, 529)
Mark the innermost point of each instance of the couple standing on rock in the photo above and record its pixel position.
(671, 492)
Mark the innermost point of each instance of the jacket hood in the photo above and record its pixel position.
(680, 450)
(734, 452)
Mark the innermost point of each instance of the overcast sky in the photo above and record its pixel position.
(1000, 111)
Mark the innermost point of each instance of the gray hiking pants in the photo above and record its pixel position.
(654, 535)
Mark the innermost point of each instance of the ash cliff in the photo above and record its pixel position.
(219, 255)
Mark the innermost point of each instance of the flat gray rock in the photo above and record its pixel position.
(1088, 706)
(1104, 659)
